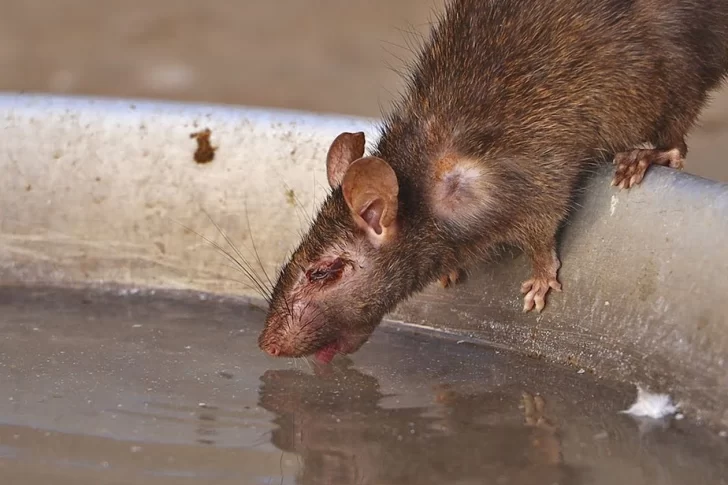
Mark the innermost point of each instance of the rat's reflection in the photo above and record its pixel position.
(333, 421)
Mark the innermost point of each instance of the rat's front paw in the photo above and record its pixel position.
(535, 290)
(451, 278)
(632, 165)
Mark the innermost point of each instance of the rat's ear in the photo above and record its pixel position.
(370, 189)
(346, 148)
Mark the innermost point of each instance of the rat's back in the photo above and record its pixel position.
(583, 75)
(510, 100)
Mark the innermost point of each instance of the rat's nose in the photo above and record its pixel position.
(268, 346)
(273, 350)
(268, 342)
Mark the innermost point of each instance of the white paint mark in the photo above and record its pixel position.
(655, 406)
(613, 204)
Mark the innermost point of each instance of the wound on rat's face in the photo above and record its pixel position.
(327, 300)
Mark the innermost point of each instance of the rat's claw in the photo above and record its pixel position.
(535, 290)
(632, 165)
(526, 285)
(450, 279)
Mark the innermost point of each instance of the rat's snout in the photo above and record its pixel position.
(285, 335)
(268, 341)
(271, 349)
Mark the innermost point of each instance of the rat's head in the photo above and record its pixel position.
(332, 294)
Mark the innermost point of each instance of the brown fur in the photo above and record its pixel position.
(532, 91)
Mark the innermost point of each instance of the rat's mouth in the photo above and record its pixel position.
(327, 353)
(342, 345)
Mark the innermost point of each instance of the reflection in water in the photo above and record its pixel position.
(335, 424)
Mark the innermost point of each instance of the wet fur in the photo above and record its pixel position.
(534, 92)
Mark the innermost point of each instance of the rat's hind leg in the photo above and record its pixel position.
(546, 265)
(632, 165)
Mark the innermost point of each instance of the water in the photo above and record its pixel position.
(139, 388)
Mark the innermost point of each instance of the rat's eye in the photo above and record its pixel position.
(318, 274)
(325, 271)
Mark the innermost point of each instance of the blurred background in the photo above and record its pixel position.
(335, 56)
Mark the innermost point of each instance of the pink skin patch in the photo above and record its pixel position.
(327, 354)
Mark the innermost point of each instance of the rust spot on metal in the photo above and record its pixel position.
(205, 152)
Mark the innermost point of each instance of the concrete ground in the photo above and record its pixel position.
(319, 55)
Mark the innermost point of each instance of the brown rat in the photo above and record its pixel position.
(507, 104)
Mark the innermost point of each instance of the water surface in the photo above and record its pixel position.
(133, 387)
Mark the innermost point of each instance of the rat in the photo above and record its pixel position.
(506, 106)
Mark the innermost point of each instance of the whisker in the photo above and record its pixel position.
(288, 308)
(315, 365)
(259, 288)
(307, 361)
(337, 369)
(255, 249)
(234, 280)
(234, 268)
(313, 199)
(298, 204)
(235, 249)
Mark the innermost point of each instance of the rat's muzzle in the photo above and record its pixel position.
(296, 333)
